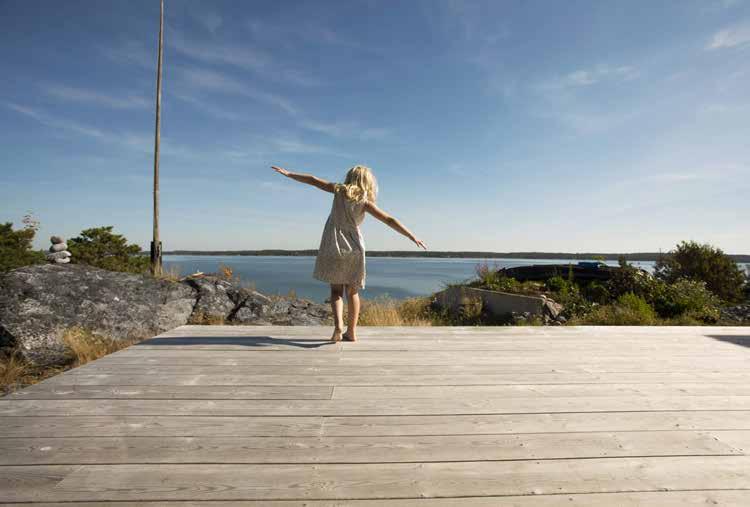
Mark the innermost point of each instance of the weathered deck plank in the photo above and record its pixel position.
(407, 416)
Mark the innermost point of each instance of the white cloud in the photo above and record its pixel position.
(207, 107)
(125, 101)
(588, 77)
(243, 57)
(56, 123)
(210, 20)
(346, 129)
(290, 145)
(129, 140)
(732, 36)
(132, 53)
(210, 80)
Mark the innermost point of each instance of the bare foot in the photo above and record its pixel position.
(336, 337)
(349, 337)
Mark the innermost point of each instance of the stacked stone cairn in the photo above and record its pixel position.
(58, 252)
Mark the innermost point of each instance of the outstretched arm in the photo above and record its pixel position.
(392, 222)
(306, 178)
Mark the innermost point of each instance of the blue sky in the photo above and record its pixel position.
(495, 126)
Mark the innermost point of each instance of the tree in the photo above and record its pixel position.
(15, 247)
(703, 262)
(101, 248)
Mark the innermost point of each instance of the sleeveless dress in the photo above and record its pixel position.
(341, 256)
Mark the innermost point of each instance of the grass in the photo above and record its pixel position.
(82, 345)
(390, 312)
(173, 273)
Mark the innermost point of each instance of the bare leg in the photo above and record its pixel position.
(353, 303)
(337, 305)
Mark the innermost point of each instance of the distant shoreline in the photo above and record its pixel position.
(641, 256)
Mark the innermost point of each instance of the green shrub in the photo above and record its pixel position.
(16, 247)
(557, 284)
(491, 279)
(631, 280)
(597, 293)
(629, 310)
(101, 248)
(568, 294)
(704, 263)
(690, 298)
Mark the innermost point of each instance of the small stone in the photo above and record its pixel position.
(63, 260)
(58, 247)
(54, 256)
(56, 240)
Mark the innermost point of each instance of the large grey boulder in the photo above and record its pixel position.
(39, 303)
(219, 300)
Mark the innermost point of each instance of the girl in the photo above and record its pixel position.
(341, 256)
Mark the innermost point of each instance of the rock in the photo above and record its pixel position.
(62, 260)
(214, 301)
(39, 303)
(58, 247)
(58, 255)
(56, 240)
(220, 300)
(552, 308)
(737, 313)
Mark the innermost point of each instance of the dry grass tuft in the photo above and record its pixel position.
(12, 369)
(16, 372)
(86, 346)
(173, 273)
(199, 318)
(226, 271)
(388, 312)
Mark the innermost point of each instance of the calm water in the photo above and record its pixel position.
(386, 276)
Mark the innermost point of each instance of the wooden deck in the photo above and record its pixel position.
(279, 416)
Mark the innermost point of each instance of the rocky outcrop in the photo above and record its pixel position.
(221, 301)
(39, 303)
(739, 314)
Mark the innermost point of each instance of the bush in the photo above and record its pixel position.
(703, 262)
(568, 294)
(631, 280)
(101, 248)
(689, 298)
(15, 247)
(629, 310)
(491, 279)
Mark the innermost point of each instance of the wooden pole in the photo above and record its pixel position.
(156, 261)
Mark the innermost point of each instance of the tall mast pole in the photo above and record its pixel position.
(156, 262)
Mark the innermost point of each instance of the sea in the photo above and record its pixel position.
(389, 277)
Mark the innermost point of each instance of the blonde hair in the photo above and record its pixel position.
(359, 185)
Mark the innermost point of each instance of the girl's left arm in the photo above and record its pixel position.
(393, 222)
(306, 178)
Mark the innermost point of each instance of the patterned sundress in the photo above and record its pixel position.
(341, 256)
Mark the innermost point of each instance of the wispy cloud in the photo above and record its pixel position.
(133, 141)
(732, 36)
(124, 101)
(205, 79)
(346, 129)
(208, 19)
(592, 76)
(56, 123)
(243, 57)
(131, 53)
(207, 107)
(292, 145)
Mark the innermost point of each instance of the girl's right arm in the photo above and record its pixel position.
(306, 178)
(392, 222)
